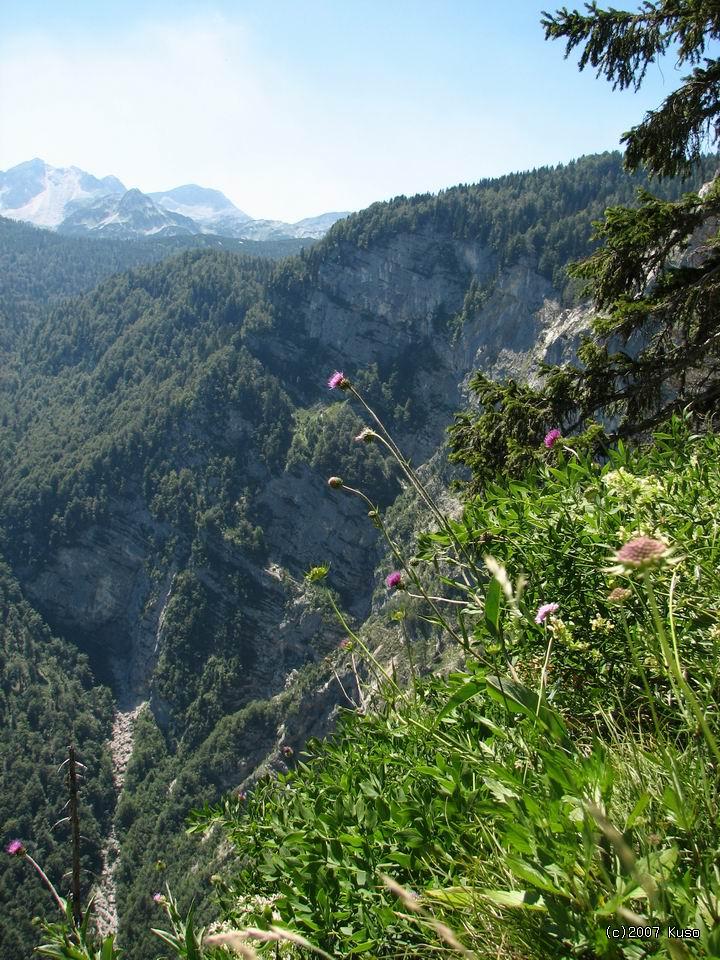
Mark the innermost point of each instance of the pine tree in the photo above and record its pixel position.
(654, 347)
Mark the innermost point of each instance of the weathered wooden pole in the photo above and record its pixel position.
(75, 826)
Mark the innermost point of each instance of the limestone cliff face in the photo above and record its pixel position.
(520, 324)
(395, 304)
(392, 304)
(394, 296)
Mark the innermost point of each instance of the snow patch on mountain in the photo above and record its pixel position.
(133, 214)
(72, 201)
(203, 205)
(44, 192)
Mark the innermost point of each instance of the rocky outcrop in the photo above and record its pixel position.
(520, 325)
(95, 588)
(105, 895)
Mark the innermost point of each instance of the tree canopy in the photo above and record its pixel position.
(654, 278)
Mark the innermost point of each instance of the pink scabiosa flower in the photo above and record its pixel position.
(546, 610)
(641, 553)
(335, 482)
(15, 848)
(393, 581)
(338, 381)
(552, 437)
(619, 595)
(158, 898)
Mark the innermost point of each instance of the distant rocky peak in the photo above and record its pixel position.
(71, 200)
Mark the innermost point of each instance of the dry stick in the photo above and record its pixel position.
(75, 824)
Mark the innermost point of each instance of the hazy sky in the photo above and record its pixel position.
(296, 107)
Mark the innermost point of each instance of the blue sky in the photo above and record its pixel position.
(296, 107)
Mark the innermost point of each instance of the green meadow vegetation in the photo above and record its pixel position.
(564, 783)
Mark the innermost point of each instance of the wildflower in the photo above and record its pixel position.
(640, 553)
(600, 625)
(619, 595)
(345, 644)
(15, 848)
(242, 796)
(335, 482)
(631, 489)
(338, 381)
(551, 438)
(287, 751)
(366, 435)
(563, 633)
(158, 898)
(545, 610)
(393, 581)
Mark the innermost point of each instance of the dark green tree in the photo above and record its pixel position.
(654, 346)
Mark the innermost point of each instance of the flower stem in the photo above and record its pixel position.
(414, 479)
(378, 666)
(417, 596)
(411, 573)
(543, 672)
(676, 672)
(46, 880)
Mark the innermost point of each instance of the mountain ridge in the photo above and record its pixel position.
(75, 202)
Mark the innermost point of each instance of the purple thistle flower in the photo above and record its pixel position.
(338, 381)
(551, 438)
(393, 580)
(15, 848)
(545, 610)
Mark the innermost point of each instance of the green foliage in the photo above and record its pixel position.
(323, 439)
(206, 657)
(559, 784)
(505, 436)
(66, 940)
(48, 698)
(39, 267)
(654, 348)
(621, 44)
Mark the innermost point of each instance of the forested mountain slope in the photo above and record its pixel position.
(39, 267)
(165, 450)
